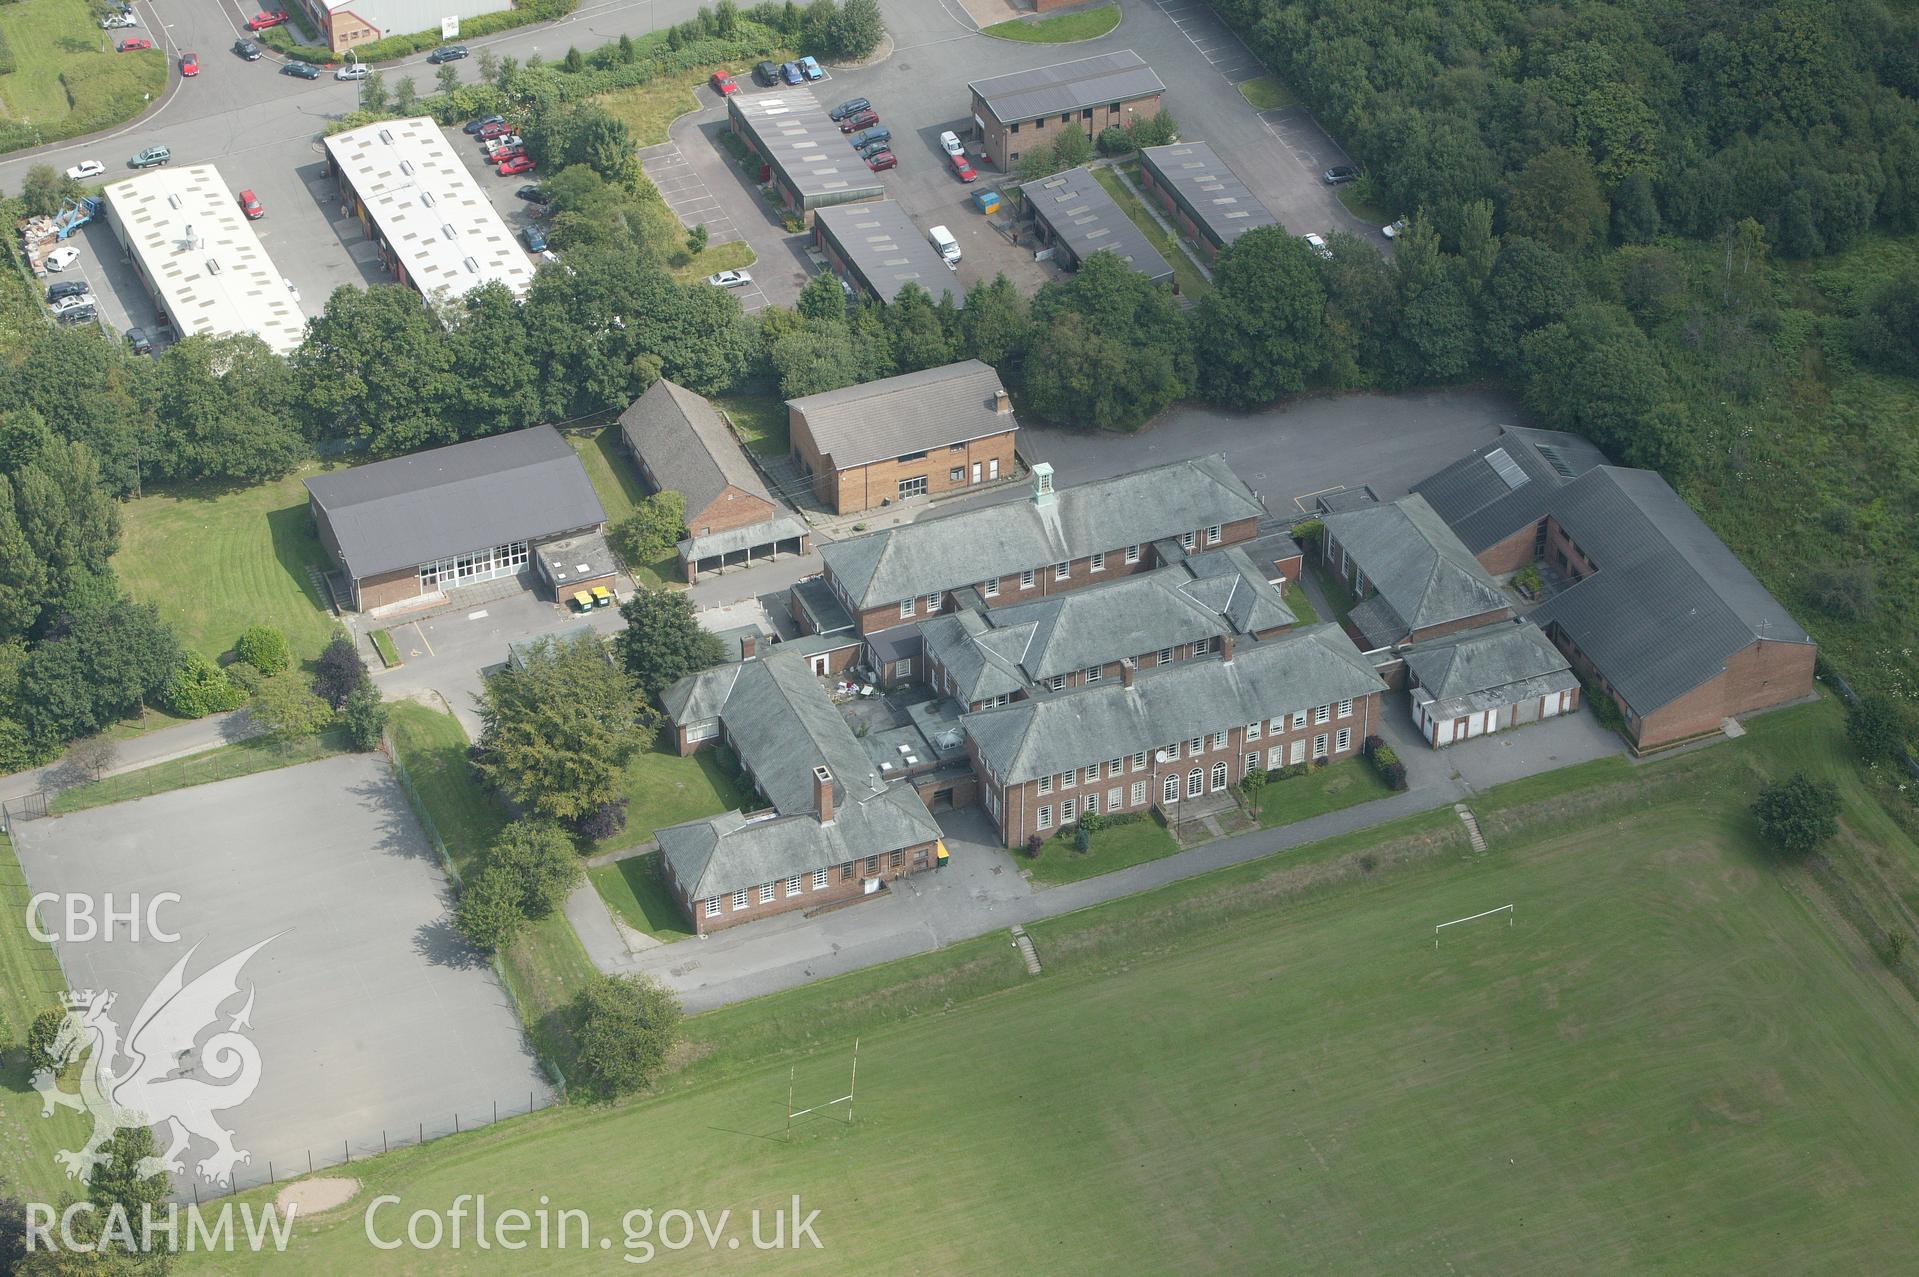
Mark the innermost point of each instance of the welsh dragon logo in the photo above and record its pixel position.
(164, 1077)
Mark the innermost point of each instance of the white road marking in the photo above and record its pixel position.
(477, 616)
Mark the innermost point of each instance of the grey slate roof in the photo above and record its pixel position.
(883, 247)
(999, 540)
(1087, 220)
(1669, 602)
(1493, 665)
(1046, 735)
(1068, 86)
(733, 851)
(1490, 494)
(733, 540)
(795, 134)
(913, 412)
(431, 505)
(686, 446)
(1423, 574)
(1216, 197)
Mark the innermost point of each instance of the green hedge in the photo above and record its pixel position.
(280, 39)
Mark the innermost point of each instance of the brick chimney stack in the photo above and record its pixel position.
(1002, 403)
(1226, 648)
(749, 645)
(823, 793)
(1126, 672)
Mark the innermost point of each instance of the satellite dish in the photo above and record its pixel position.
(1159, 756)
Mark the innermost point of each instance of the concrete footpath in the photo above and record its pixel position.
(136, 752)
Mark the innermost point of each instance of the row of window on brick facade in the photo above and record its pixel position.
(1061, 571)
(767, 892)
(1066, 117)
(1196, 780)
(1217, 741)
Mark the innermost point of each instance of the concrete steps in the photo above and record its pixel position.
(1024, 943)
(1467, 819)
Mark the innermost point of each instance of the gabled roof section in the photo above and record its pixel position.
(1485, 659)
(733, 851)
(1068, 86)
(446, 501)
(1495, 491)
(1423, 574)
(1669, 603)
(686, 445)
(913, 412)
(780, 722)
(1002, 540)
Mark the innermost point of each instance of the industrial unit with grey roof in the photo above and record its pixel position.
(913, 412)
(1421, 574)
(1217, 200)
(793, 134)
(523, 486)
(994, 541)
(1067, 86)
(1083, 219)
(884, 250)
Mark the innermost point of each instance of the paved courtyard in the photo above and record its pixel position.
(372, 1019)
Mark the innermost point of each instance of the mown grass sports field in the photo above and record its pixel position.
(1673, 1060)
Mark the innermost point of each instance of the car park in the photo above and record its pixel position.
(496, 127)
(474, 126)
(810, 68)
(353, 71)
(532, 194)
(863, 140)
(189, 64)
(61, 258)
(135, 45)
(1318, 245)
(882, 159)
(67, 288)
(862, 120)
(962, 168)
(517, 165)
(150, 157)
(766, 73)
(730, 279)
(724, 84)
(251, 206)
(791, 73)
(1339, 175)
(535, 239)
(447, 53)
(247, 49)
(86, 169)
(852, 106)
(305, 70)
(265, 18)
(138, 341)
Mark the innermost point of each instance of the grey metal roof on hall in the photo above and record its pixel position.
(1216, 197)
(797, 137)
(1668, 603)
(686, 446)
(1068, 86)
(1422, 573)
(447, 501)
(1496, 490)
(1088, 220)
(913, 412)
(1009, 538)
(881, 244)
(1046, 735)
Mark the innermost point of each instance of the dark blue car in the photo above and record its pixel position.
(791, 73)
(535, 240)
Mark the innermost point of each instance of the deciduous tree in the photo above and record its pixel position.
(624, 1026)
(663, 642)
(1260, 326)
(1797, 814)
(559, 728)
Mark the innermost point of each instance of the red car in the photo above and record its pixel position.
(262, 20)
(130, 46)
(723, 84)
(490, 131)
(506, 153)
(862, 120)
(250, 205)
(189, 64)
(963, 168)
(882, 159)
(517, 165)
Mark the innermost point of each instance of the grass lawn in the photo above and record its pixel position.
(1112, 848)
(216, 560)
(1267, 94)
(734, 254)
(1302, 606)
(619, 489)
(30, 982)
(224, 763)
(1323, 789)
(1672, 1061)
(761, 421)
(1362, 201)
(661, 788)
(1192, 284)
(1338, 595)
(67, 77)
(634, 889)
(1086, 24)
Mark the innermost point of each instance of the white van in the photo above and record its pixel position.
(948, 246)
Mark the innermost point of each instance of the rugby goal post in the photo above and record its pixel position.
(1505, 909)
(825, 1107)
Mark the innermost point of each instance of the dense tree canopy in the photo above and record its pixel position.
(1260, 326)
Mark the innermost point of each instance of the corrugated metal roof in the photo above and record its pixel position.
(1484, 506)
(1218, 199)
(1068, 86)
(794, 133)
(881, 244)
(1087, 220)
(913, 412)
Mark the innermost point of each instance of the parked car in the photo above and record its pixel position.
(265, 18)
(447, 53)
(1340, 174)
(80, 314)
(863, 140)
(67, 288)
(67, 305)
(882, 159)
(305, 70)
(852, 106)
(861, 120)
(506, 153)
(86, 169)
(944, 244)
(766, 73)
(535, 239)
(950, 143)
(118, 22)
(962, 168)
(495, 147)
(791, 73)
(474, 126)
(150, 157)
(135, 45)
(730, 279)
(138, 341)
(251, 206)
(497, 127)
(517, 165)
(1394, 231)
(62, 257)
(1318, 245)
(353, 71)
(532, 194)
(247, 49)
(724, 84)
(811, 69)
(189, 64)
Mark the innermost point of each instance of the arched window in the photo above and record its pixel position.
(1169, 792)
(1219, 777)
(1195, 782)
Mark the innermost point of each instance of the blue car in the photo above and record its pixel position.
(811, 68)
(790, 72)
(535, 240)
